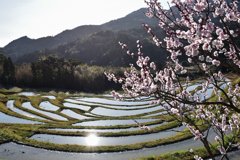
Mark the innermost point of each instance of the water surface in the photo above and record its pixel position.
(4, 118)
(106, 130)
(78, 106)
(72, 114)
(105, 140)
(55, 116)
(117, 113)
(113, 122)
(48, 106)
(50, 97)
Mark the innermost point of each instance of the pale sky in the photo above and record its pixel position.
(41, 18)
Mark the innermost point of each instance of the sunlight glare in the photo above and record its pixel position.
(92, 140)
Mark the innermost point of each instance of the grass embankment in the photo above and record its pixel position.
(16, 132)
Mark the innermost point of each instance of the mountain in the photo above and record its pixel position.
(102, 49)
(132, 20)
(23, 45)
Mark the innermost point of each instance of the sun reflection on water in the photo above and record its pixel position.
(92, 140)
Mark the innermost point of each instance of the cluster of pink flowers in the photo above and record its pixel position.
(142, 127)
(197, 157)
(197, 35)
(196, 133)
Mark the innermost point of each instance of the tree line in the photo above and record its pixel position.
(57, 72)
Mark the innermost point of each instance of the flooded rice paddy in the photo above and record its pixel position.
(55, 116)
(87, 121)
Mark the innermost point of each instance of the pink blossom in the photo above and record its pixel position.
(199, 6)
(208, 59)
(226, 111)
(204, 66)
(231, 16)
(152, 65)
(216, 62)
(142, 127)
(219, 31)
(174, 110)
(190, 60)
(116, 96)
(145, 128)
(184, 71)
(205, 46)
(217, 139)
(219, 11)
(215, 54)
(197, 158)
(221, 149)
(201, 58)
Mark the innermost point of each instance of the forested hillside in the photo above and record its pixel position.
(57, 72)
(102, 48)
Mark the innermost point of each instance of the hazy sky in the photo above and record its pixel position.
(41, 18)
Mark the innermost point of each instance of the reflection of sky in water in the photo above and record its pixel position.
(129, 107)
(107, 101)
(73, 114)
(208, 92)
(223, 85)
(109, 105)
(113, 122)
(70, 105)
(106, 140)
(50, 97)
(76, 101)
(28, 93)
(55, 116)
(107, 130)
(111, 112)
(107, 95)
(48, 106)
(4, 118)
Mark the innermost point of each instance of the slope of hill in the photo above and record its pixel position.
(25, 45)
(132, 20)
(102, 48)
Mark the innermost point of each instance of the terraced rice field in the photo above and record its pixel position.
(88, 126)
